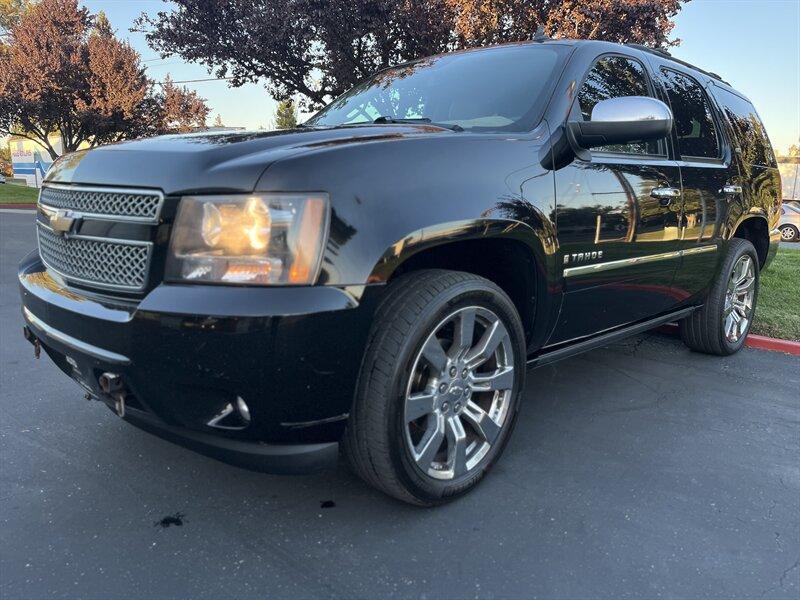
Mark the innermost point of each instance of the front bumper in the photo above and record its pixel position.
(185, 352)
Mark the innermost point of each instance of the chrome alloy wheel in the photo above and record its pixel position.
(739, 298)
(459, 392)
(788, 233)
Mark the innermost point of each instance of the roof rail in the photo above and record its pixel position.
(659, 51)
(540, 35)
(664, 54)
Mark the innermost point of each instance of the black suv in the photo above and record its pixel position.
(380, 278)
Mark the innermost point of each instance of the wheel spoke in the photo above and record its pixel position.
(746, 285)
(429, 446)
(491, 339)
(464, 331)
(730, 322)
(456, 447)
(741, 326)
(419, 405)
(481, 422)
(434, 353)
(742, 270)
(501, 379)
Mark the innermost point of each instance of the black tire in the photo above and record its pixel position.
(704, 330)
(795, 234)
(375, 441)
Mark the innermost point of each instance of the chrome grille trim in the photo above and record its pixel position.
(104, 263)
(118, 204)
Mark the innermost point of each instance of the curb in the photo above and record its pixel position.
(759, 342)
(18, 206)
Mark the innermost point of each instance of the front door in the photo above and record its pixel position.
(617, 218)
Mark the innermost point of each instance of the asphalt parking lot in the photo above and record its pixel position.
(637, 471)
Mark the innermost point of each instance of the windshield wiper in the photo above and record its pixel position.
(390, 120)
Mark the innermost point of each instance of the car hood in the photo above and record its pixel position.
(213, 162)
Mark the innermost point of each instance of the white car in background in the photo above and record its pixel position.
(789, 224)
(2, 178)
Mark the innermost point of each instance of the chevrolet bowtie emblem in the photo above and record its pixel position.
(61, 221)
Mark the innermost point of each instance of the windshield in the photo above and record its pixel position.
(497, 89)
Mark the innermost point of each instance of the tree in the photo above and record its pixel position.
(10, 12)
(317, 49)
(63, 71)
(794, 150)
(181, 110)
(218, 121)
(285, 115)
(5, 159)
(482, 22)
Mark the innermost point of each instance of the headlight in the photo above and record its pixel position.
(262, 239)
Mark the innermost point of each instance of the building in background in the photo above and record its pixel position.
(29, 160)
(789, 167)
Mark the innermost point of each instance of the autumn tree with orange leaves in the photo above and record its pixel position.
(317, 49)
(63, 71)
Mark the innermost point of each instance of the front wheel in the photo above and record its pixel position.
(722, 324)
(439, 387)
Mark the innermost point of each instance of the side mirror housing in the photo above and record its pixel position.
(622, 121)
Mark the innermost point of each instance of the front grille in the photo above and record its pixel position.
(100, 262)
(96, 262)
(129, 204)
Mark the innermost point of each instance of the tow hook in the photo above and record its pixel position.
(111, 384)
(37, 347)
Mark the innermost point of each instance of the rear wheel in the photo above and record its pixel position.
(722, 324)
(789, 233)
(439, 387)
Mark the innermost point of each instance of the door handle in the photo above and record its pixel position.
(731, 189)
(665, 195)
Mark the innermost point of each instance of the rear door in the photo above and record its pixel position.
(708, 177)
(616, 237)
(759, 177)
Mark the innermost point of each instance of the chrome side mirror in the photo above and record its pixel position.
(622, 121)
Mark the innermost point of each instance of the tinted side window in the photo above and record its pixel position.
(615, 77)
(750, 134)
(697, 135)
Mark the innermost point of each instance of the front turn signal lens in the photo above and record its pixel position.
(263, 239)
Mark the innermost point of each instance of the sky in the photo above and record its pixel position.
(753, 44)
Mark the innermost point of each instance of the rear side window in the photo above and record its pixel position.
(748, 130)
(615, 77)
(694, 122)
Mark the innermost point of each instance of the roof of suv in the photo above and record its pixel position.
(660, 52)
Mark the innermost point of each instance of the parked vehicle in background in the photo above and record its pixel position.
(382, 276)
(2, 178)
(789, 224)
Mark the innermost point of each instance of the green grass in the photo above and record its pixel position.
(11, 193)
(778, 311)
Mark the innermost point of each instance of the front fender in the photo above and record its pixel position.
(455, 231)
(531, 272)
